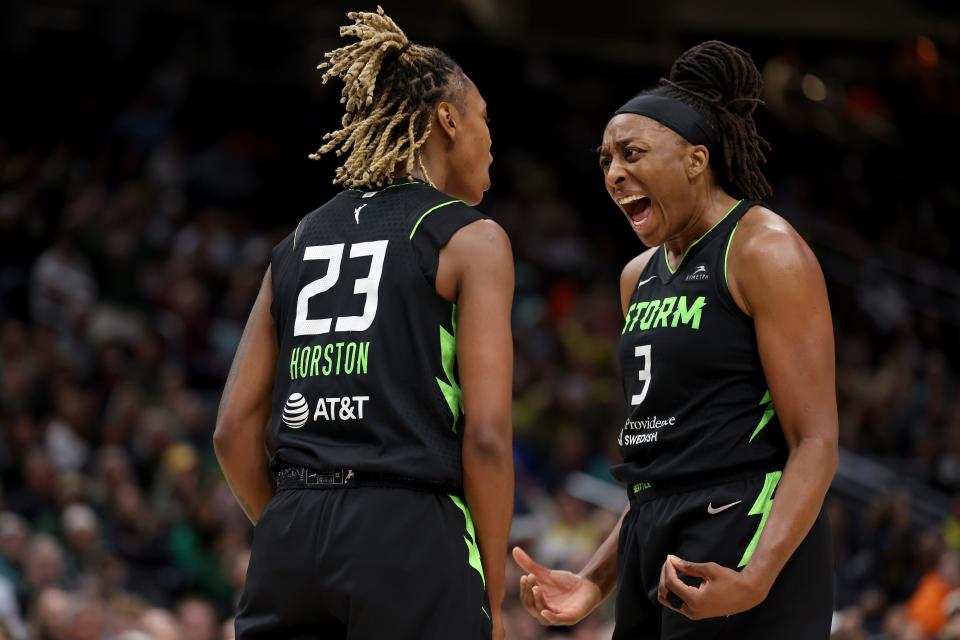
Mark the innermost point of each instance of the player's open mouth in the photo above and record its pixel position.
(637, 207)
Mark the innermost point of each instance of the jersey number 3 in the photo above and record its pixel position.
(645, 373)
(368, 286)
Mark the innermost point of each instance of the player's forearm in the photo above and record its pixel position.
(243, 460)
(602, 567)
(799, 498)
(488, 488)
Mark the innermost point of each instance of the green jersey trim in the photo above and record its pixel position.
(768, 412)
(377, 191)
(473, 551)
(694, 243)
(761, 507)
(428, 212)
(295, 232)
(726, 255)
(399, 184)
(448, 356)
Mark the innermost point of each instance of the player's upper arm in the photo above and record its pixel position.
(479, 258)
(248, 389)
(630, 276)
(778, 279)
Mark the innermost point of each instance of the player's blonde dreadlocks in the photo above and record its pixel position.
(390, 87)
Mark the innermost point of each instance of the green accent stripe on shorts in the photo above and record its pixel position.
(761, 508)
(473, 551)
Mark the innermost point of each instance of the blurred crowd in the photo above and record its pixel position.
(131, 260)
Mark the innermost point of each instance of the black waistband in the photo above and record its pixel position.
(640, 492)
(303, 478)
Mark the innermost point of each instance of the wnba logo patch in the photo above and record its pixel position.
(295, 411)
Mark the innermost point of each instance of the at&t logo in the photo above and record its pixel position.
(295, 411)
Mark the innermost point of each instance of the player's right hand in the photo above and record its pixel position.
(555, 598)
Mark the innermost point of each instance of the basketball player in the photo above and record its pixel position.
(379, 353)
(728, 367)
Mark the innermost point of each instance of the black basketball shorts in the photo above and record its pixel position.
(722, 524)
(364, 563)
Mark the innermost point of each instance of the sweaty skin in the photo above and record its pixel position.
(774, 278)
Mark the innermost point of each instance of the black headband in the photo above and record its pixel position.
(677, 115)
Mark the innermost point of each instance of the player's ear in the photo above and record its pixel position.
(696, 161)
(447, 119)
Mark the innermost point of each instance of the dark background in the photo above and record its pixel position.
(152, 152)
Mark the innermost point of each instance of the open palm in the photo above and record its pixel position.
(555, 597)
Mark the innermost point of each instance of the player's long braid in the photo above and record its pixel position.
(390, 87)
(723, 79)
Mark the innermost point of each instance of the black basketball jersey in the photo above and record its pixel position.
(366, 376)
(699, 406)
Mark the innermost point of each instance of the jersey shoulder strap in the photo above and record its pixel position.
(432, 223)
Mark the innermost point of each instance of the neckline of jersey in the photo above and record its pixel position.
(397, 183)
(686, 253)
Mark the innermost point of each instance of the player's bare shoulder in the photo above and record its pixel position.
(766, 248)
(763, 235)
(482, 236)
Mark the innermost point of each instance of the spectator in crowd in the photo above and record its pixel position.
(928, 607)
(197, 618)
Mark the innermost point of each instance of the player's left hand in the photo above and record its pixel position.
(722, 591)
